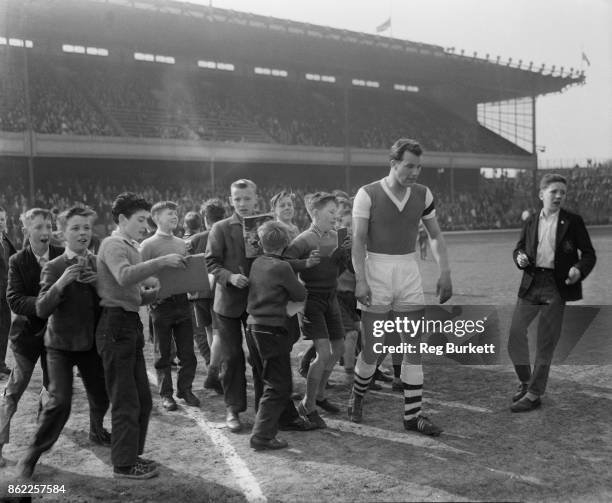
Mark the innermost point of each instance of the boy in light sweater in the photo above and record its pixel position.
(171, 316)
(119, 334)
(272, 284)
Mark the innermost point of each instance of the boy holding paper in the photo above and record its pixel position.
(171, 315)
(119, 335)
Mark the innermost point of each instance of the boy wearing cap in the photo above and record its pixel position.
(272, 283)
(322, 321)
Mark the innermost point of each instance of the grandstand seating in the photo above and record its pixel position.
(70, 94)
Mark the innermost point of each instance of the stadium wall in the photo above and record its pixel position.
(46, 145)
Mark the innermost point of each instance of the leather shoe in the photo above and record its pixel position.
(213, 383)
(168, 403)
(525, 405)
(298, 424)
(100, 437)
(233, 421)
(267, 445)
(520, 392)
(326, 405)
(190, 398)
(379, 375)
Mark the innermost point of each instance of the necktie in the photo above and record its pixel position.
(42, 261)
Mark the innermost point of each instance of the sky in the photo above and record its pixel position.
(573, 125)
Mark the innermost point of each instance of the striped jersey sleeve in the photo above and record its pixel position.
(430, 207)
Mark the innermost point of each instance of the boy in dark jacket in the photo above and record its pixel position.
(68, 298)
(27, 328)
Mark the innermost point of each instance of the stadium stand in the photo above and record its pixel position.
(83, 97)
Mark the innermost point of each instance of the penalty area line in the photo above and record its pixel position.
(243, 476)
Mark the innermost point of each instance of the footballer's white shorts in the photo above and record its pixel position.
(395, 283)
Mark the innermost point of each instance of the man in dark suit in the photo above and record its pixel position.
(27, 328)
(69, 299)
(6, 250)
(553, 270)
(206, 334)
(226, 259)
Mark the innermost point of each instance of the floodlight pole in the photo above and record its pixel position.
(347, 145)
(534, 148)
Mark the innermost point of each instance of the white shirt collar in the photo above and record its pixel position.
(550, 216)
(44, 255)
(70, 254)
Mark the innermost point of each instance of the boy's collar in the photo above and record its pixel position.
(316, 229)
(71, 254)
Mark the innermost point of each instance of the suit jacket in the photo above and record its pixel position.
(572, 236)
(23, 287)
(73, 314)
(4, 266)
(225, 256)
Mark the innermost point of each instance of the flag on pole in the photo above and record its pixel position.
(585, 59)
(384, 26)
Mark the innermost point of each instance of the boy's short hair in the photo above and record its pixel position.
(163, 205)
(27, 217)
(128, 203)
(550, 178)
(213, 210)
(193, 221)
(273, 235)
(2, 210)
(345, 211)
(244, 183)
(402, 145)
(281, 195)
(340, 194)
(318, 200)
(64, 216)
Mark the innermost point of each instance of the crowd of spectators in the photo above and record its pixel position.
(69, 95)
(494, 204)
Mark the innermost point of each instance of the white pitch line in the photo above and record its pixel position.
(392, 436)
(243, 476)
(456, 405)
(522, 478)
